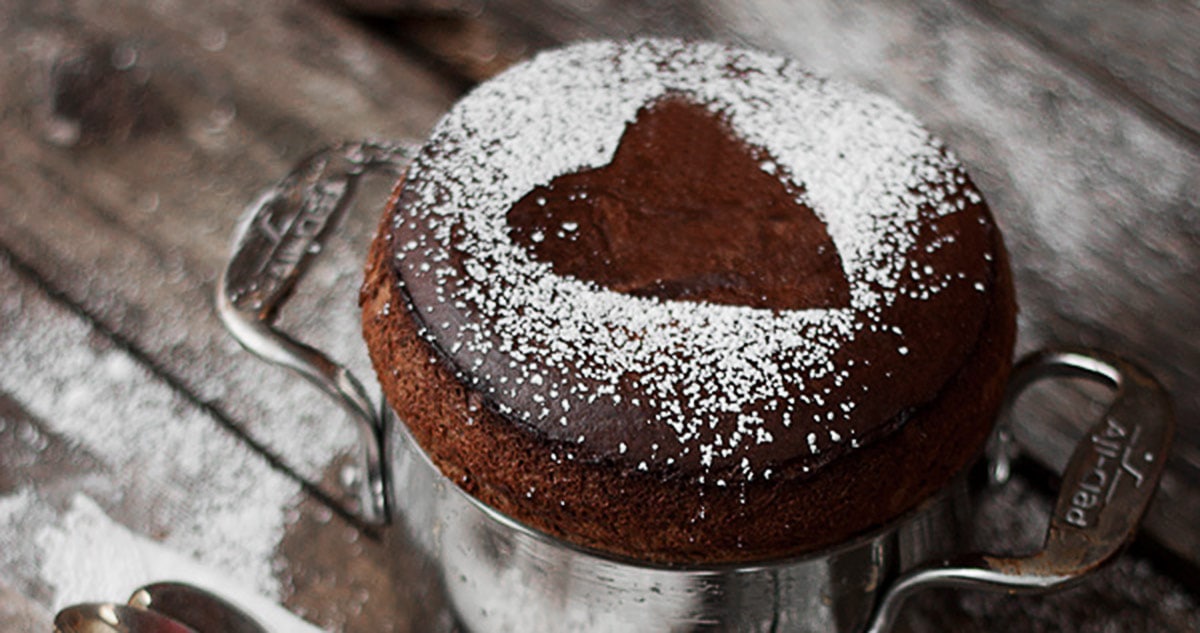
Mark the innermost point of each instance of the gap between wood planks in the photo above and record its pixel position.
(29, 273)
(383, 29)
(1096, 74)
(405, 34)
(464, 80)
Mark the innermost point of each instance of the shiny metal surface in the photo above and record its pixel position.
(194, 607)
(1106, 487)
(164, 607)
(114, 618)
(502, 576)
(278, 237)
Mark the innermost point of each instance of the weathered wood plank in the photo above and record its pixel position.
(82, 420)
(19, 613)
(1097, 201)
(81, 216)
(469, 50)
(132, 221)
(110, 478)
(479, 44)
(1150, 51)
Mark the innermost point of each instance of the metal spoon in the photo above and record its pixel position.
(102, 617)
(199, 609)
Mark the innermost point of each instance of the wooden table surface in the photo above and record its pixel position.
(137, 441)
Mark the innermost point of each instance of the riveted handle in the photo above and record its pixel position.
(1106, 487)
(278, 238)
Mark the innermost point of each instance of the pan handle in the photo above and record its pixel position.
(277, 239)
(1106, 487)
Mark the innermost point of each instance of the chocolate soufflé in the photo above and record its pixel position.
(686, 303)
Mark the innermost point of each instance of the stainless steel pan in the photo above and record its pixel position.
(504, 576)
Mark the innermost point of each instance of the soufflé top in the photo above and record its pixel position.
(688, 303)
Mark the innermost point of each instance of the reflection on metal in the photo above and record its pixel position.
(1106, 486)
(277, 239)
(114, 618)
(195, 607)
(167, 607)
(503, 576)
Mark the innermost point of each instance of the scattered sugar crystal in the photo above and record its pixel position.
(868, 169)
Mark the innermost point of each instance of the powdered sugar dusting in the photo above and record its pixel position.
(88, 555)
(867, 169)
(203, 493)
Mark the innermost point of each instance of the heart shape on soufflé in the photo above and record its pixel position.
(735, 232)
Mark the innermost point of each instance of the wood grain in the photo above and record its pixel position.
(62, 447)
(133, 133)
(1147, 53)
(133, 224)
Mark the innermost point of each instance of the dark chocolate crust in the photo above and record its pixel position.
(753, 282)
(593, 504)
(680, 324)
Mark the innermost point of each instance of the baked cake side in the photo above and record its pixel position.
(693, 279)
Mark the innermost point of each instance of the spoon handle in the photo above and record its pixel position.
(101, 617)
(195, 607)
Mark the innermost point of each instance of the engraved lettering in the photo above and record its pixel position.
(293, 240)
(1094, 481)
(291, 231)
(1110, 448)
(1114, 430)
(1084, 500)
(1111, 451)
(293, 249)
(1125, 458)
(271, 233)
(1076, 517)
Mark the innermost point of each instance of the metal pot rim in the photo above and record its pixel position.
(392, 420)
